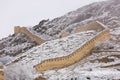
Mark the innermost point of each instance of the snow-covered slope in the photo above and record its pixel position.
(52, 49)
(106, 12)
(97, 66)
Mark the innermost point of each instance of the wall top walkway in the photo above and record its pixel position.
(24, 30)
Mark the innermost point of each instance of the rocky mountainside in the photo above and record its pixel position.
(97, 66)
(106, 12)
(14, 45)
(50, 49)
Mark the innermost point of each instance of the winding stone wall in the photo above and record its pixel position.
(25, 31)
(65, 61)
(92, 26)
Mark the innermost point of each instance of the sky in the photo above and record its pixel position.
(30, 12)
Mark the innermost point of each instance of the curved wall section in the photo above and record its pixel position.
(92, 26)
(61, 62)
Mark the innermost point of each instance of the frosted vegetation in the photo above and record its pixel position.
(50, 49)
(97, 66)
(107, 12)
(14, 45)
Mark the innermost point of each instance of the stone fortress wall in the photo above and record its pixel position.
(65, 61)
(24, 30)
(79, 54)
(92, 26)
(1, 73)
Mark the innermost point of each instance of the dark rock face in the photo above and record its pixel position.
(15, 44)
(39, 27)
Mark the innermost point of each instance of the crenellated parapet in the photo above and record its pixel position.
(65, 61)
